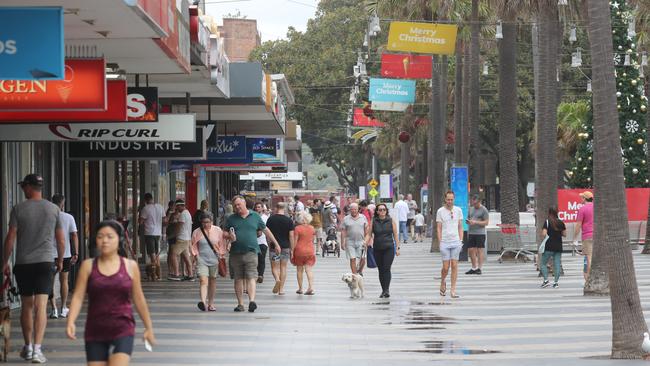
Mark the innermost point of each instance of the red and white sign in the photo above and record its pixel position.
(83, 89)
(177, 44)
(116, 110)
(406, 66)
(361, 120)
(569, 202)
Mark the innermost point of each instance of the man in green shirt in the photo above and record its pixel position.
(243, 251)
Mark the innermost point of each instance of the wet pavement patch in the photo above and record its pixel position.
(423, 317)
(449, 347)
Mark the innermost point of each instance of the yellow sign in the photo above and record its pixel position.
(373, 193)
(373, 183)
(439, 39)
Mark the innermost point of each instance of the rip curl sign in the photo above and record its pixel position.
(170, 127)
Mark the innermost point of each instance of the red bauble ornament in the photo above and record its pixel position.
(404, 137)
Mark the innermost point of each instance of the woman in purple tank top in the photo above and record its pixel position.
(111, 281)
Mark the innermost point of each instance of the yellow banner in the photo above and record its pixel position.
(439, 39)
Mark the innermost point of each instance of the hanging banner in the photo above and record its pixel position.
(229, 149)
(385, 186)
(392, 90)
(265, 149)
(437, 39)
(569, 202)
(460, 187)
(116, 111)
(31, 43)
(83, 89)
(142, 104)
(361, 120)
(406, 66)
(170, 127)
(390, 106)
(362, 192)
(136, 150)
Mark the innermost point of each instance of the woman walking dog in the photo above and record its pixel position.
(383, 238)
(112, 282)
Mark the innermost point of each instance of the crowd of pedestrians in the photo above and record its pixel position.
(45, 241)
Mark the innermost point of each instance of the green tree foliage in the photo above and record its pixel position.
(632, 107)
(318, 65)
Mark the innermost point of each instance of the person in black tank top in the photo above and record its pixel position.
(383, 236)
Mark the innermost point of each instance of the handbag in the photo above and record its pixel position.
(542, 246)
(370, 261)
(222, 268)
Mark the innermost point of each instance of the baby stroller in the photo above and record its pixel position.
(331, 244)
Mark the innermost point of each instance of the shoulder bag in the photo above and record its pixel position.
(542, 246)
(222, 267)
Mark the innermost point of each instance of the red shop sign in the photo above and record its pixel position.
(406, 66)
(83, 89)
(360, 120)
(116, 110)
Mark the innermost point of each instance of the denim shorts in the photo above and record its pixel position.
(285, 255)
(450, 250)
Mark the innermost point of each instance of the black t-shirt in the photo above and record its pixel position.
(554, 242)
(280, 225)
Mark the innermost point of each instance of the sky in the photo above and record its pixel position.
(273, 16)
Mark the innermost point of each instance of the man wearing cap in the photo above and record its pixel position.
(181, 247)
(585, 224)
(478, 219)
(33, 226)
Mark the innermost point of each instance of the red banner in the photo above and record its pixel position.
(406, 66)
(360, 120)
(83, 89)
(569, 202)
(116, 110)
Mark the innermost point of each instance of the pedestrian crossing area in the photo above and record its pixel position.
(502, 317)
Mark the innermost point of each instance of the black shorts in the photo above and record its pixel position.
(34, 278)
(152, 243)
(66, 264)
(409, 222)
(476, 241)
(99, 351)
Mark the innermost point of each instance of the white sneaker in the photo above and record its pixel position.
(54, 314)
(38, 357)
(27, 353)
(64, 312)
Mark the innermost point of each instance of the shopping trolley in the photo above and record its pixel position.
(517, 240)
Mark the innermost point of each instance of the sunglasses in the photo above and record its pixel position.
(381, 209)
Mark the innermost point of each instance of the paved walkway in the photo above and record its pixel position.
(501, 318)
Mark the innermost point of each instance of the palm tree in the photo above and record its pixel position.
(546, 102)
(474, 99)
(628, 323)
(508, 174)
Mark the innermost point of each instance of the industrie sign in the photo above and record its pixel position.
(170, 127)
(428, 38)
(392, 90)
(31, 43)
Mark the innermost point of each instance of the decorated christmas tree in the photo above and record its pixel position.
(632, 107)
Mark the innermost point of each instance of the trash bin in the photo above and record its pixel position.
(463, 253)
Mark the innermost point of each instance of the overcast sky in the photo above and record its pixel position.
(273, 16)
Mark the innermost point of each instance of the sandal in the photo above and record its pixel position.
(299, 292)
(309, 292)
(212, 308)
(276, 288)
(454, 295)
(443, 292)
(201, 305)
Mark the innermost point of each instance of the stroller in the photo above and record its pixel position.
(331, 244)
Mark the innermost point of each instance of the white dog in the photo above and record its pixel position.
(355, 283)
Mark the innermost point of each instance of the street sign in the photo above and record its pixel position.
(373, 183)
(373, 193)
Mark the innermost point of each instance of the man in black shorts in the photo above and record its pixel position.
(33, 226)
(70, 256)
(477, 220)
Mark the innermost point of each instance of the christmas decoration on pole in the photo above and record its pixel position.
(404, 137)
(632, 107)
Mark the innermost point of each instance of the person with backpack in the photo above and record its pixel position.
(555, 229)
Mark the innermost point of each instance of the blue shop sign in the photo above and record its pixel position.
(31, 43)
(228, 147)
(392, 90)
(264, 149)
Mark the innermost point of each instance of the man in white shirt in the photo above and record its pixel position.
(70, 256)
(402, 209)
(151, 216)
(181, 247)
(449, 220)
(410, 218)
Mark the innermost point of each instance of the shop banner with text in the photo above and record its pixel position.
(142, 104)
(116, 111)
(437, 39)
(31, 43)
(83, 89)
(406, 66)
(569, 202)
(392, 90)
